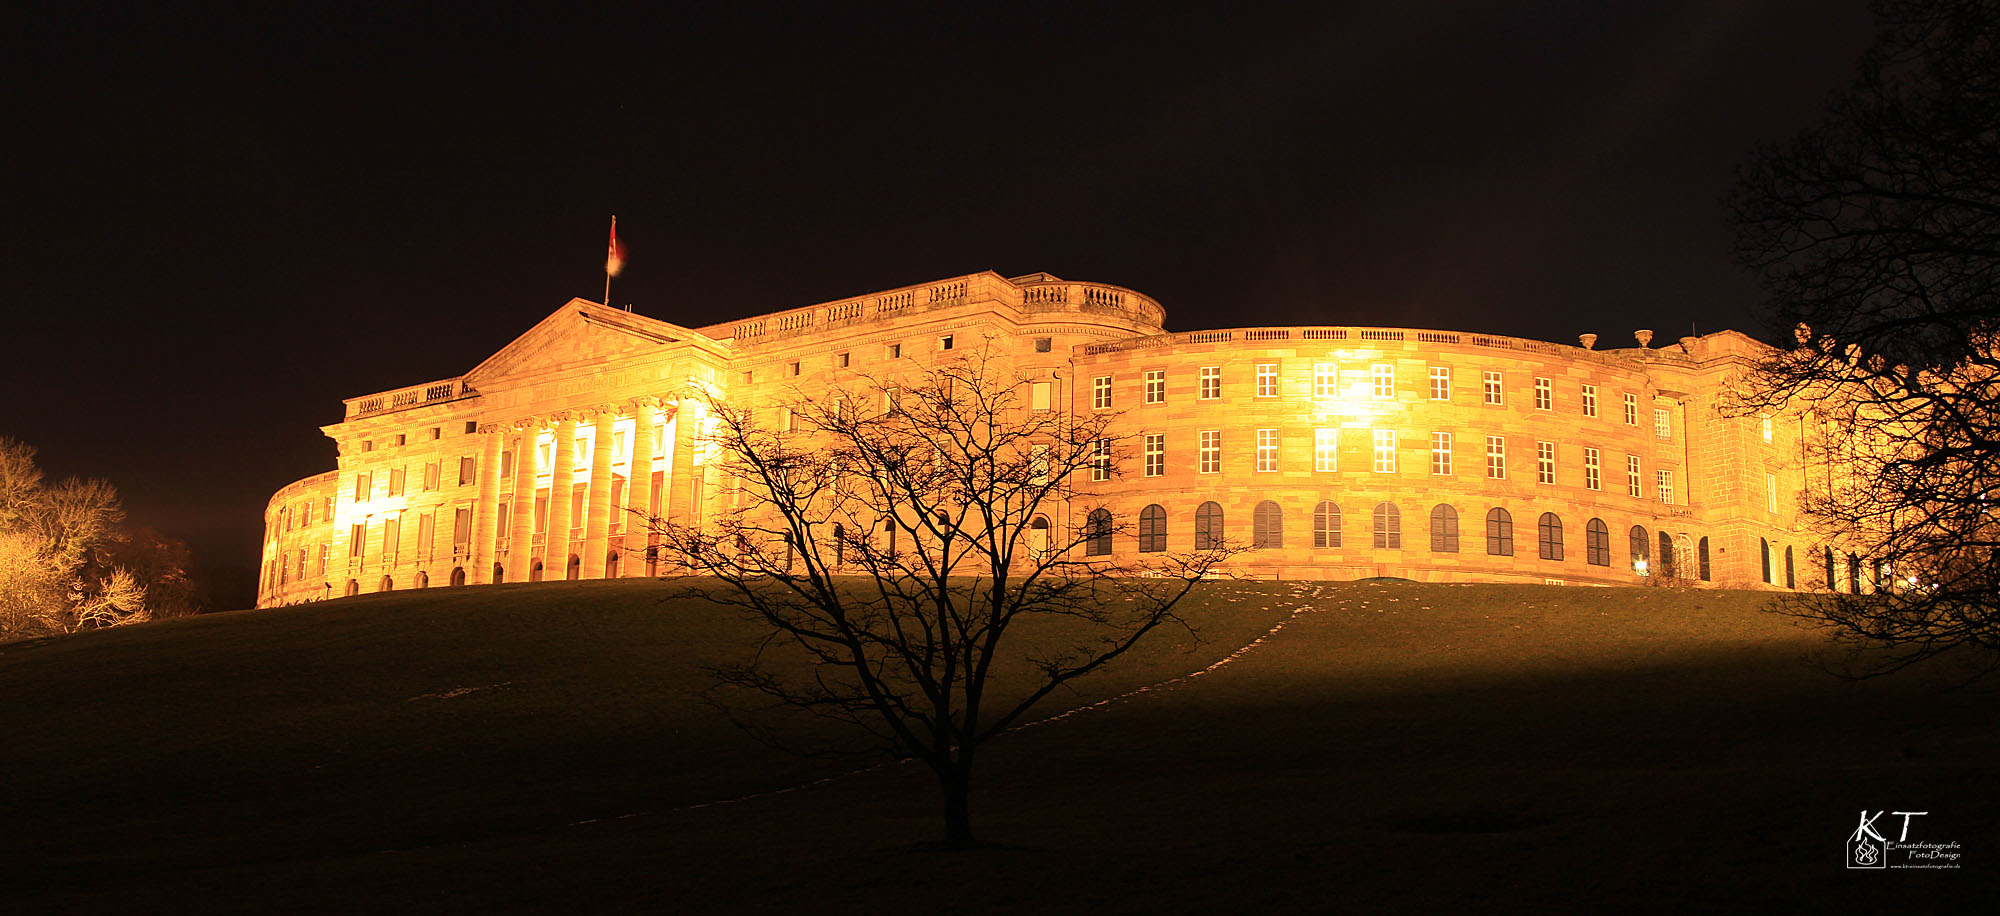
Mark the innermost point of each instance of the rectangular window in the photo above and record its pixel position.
(392, 533)
(1592, 473)
(506, 465)
(1385, 451)
(1545, 394)
(324, 549)
(945, 342)
(1771, 492)
(402, 438)
(437, 432)
(1440, 383)
(895, 351)
(1590, 400)
(1666, 481)
(1211, 451)
(619, 445)
(1211, 382)
(357, 540)
(784, 420)
(1100, 459)
(1632, 485)
(1766, 424)
(1545, 462)
(1493, 396)
(1044, 344)
(1100, 392)
(892, 400)
(795, 369)
(1156, 386)
(364, 487)
(1441, 454)
(430, 476)
(1267, 380)
(1267, 450)
(1496, 457)
(1041, 395)
(1384, 377)
(1326, 449)
(1156, 454)
(1326, 380)
(842, 360)
(465, 466)
(1631, 409)
(1663, 427)
(396, 482)
(461, 529)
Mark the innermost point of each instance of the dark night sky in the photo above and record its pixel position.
(221, 224)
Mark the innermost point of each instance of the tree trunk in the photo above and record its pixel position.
(955, 779)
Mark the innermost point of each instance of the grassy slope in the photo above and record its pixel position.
(1399, 747)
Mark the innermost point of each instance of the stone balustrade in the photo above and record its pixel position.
(405, 398)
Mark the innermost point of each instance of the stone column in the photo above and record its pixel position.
(485, 524)
(639, 487)
(681, 504)
(597, 505)
(562, 479)
(521, 526)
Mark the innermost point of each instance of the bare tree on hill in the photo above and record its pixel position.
(1877, 233)
(900, 537)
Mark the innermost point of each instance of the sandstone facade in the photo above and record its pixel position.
(1336, 452)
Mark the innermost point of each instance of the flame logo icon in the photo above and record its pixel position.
(1864, 853)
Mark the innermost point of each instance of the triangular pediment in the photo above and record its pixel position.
(582, 334)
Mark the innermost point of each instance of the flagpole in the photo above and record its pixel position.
(607, 266)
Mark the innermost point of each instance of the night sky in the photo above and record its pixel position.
(221, 224)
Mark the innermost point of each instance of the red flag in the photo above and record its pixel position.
(614, 257)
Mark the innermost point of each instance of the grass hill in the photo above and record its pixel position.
(1394, 746)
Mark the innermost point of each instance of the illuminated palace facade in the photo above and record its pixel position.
(1332, 452)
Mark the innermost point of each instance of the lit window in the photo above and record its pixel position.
(1545, 462)
(1663, 424)
(1545, 396)
(1493, 388)
(1384, 377)
(1326, 449)
(1385, 451)
(1211, 451)
(1100, 459)
(1590, 400)
(1591, 472)
(1631, 409)
(1326, 380)
(1267, 450)
(1666, 481)
(1632, 486)
(1766, 424)
(1440, 383)
(1267, 380)
(1041, 396)
(1100, 392)
(1496, 457)
(1211, 382)
(1441, 454)
(1156, 454)
(1156, 386)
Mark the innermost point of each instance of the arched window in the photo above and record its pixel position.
(1853, 574)
(388, 584)
(1152, 529)
(1790, 580)
(1267, 526)
(1038, 537)
(1764, 551)
(1666, 555)
(611, 564)
(1832, 583)
(1499, 533)
(1642, 542)
(1097, 539)
(1685, 554)
(1549, 536)
(1596, 543)
(499, 574)
(423, 579)
(457, 575)
(1444, 529)
(353, 587)
(575, 567)
(1208, 526)
(1326, 524)
(534, 572)
(1701, 557)
(1388, 527)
